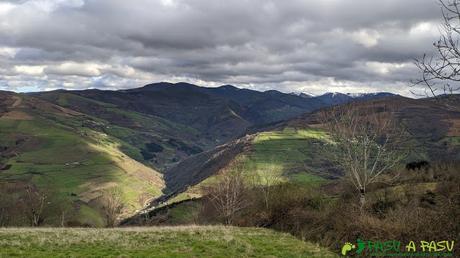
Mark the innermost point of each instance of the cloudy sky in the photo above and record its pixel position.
(307, 46)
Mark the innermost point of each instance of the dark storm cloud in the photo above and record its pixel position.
(290, 45)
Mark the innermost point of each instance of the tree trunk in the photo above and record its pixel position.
(362, 199)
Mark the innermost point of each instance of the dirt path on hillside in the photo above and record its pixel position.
(16, 114)
(17, 101)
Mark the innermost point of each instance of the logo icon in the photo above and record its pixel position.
(361, 246)
(396, 248)
(347, 247)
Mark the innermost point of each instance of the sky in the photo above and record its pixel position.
(308, 46)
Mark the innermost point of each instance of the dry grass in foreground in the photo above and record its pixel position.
(183, 241)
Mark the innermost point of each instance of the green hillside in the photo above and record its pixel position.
(45, 147)
(294, 151)
(273, 157)
(147, 138)
(290, 153)
(73, 147)
(188, 241)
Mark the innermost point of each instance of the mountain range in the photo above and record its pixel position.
(208, 116)
(157, 140)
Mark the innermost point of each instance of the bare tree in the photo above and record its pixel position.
(64, 212)
(440, 73)
(264, 180)
(366, 141)
(34, 203)
(228, 195)
(112, 205)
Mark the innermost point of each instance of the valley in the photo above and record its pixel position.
(149, 156)
(164, 142)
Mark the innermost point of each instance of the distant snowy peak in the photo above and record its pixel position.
(358, 95)
(373, 94)
(335, 98)
(334, 94)
(302, 94)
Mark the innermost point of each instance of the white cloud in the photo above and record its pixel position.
(78, 69)
(5, 8)
(425, 29)
(367, 38)
(30, 69)
(8, 52)
(384, 68)
(52, 5)
(170, 3)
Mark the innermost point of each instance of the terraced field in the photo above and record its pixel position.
(68, 163)
(290, 153)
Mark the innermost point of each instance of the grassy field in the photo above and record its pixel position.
(185, 241)
(275, 156)
(288, 153)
